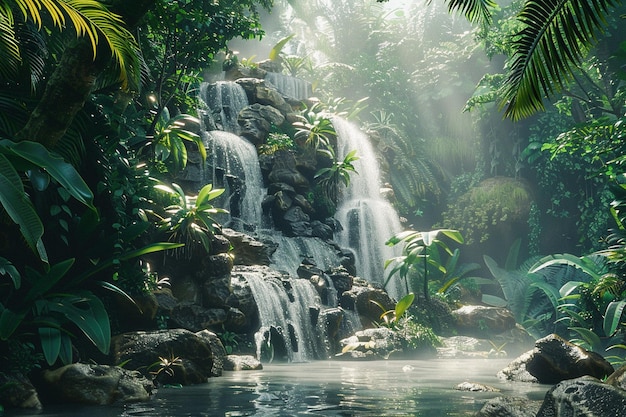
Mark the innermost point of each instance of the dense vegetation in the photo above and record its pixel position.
(97, 108)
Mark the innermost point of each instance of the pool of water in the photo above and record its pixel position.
(422, 388)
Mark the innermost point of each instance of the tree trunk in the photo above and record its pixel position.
(73, 80)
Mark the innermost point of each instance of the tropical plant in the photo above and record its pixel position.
(418, 254)
(190, 218)
(339, 172)
(390, 318)
(21, 157)
(314, 129)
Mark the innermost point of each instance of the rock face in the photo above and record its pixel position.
(96, 384)
(359, 298)
(553, 360)
(583, 397)
(241, 363)
(174, 356)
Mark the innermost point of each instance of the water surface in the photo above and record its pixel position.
(423, 388)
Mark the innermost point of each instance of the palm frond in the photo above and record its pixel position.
(474, 10)
(9, 47)
(548, 49)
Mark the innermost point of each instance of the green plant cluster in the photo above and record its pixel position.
(481, 209)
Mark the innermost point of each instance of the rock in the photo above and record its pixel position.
(218, 350)
(516, 369)
(342, 280)
(475, 387)
(382, 343)
(242, 363)
(194, 317)
(16, 391)
(464, 347)
(553, 360)
(360, 299)
(482, 321)
(285, 171)
(217, 265)
(247, 250)
(96, 384)
(175, 356)
(583, 397)
(262, 92)
(330, 322)
(509, 407)
(321, 230)
(256, 122)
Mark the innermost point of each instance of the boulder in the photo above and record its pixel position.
(475, 387)
(17, 391)
(583, 397)
(509, 407)
(175, 356)
(241, 363)
(285, 171)
(382, 343)
(256, 121)
(262, 92)
(359, 299)
(247, 250)
(482, 321)
(553, 360)
(95, 384)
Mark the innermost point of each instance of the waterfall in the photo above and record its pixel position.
(237, 158)
(368, 220)
(291, 251)
(225, 99)
(288, 312)
(289, 86)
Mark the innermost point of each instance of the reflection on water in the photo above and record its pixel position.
(329, 388)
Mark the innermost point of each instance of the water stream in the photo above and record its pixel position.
(368, 220)
(422, 388)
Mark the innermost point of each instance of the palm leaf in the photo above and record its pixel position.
(548, 49)
(473, 10)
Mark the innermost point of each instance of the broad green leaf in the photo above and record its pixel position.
(612, 316)
(60, 170)
(494, 300)
(20, 209)
(275, 52)
(9, 321)
(403, 304)
(7, 268)
(50, 343)
(43, 283)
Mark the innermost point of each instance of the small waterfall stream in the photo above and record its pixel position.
(288, 312)
(368, 220)
(290, 86)
(225, 99)
(237, 158)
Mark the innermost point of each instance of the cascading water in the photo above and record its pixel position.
(288, 312)
(236, 157)
(225, 99)
(368, 220)
(291, 251)
(289, 86)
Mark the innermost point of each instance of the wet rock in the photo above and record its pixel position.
(509, 407)
(96, 384)
(321, 230)
(464, 347)
(330, 321)
(553, 360)
(583, 397)
(217, 265)
(256, 121)
(262, 92)
(360, 298)
(475, 387)
(482, 321)
(342, 280)
(242, 363)
(285, 171)
(217, 349)
(17, 391)
(174, 356)
(383, 343)
(247, 250)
